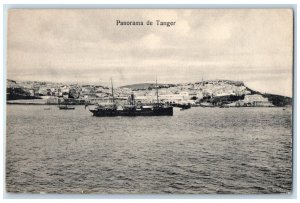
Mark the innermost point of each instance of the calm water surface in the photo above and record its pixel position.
(201, 150)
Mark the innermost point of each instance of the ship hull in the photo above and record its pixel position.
(104, 113)
(166, 111)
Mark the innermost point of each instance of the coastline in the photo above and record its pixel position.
(17, 102)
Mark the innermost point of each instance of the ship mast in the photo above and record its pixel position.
(156, 92)
(112, 91)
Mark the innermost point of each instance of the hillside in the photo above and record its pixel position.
(214, 92)
(139, 86)
(18, 93)
(276, 100)
(146, 86)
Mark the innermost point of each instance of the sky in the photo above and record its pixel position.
(86, 46)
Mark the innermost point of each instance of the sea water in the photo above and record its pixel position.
(200, 150)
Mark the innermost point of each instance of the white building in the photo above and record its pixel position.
(254, 98)
(185, 95)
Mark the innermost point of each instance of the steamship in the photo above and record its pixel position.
(132, 108)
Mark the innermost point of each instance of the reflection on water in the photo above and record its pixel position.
(201, 150)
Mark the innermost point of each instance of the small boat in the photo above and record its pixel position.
(182, 105)
(66, 107)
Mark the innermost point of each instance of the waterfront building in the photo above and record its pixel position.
(254, 98)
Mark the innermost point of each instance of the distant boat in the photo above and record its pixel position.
(66, 107)
(183, 106)
(47, 108)
(222, 106)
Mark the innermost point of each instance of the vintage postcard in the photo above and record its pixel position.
(149, 101)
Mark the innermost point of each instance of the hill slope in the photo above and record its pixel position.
(276, 100)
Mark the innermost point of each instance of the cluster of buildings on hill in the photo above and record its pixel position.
(192, 93)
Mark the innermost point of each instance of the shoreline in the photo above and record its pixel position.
(42, 104)
(39, 104)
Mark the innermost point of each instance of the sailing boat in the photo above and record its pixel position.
(132, 109)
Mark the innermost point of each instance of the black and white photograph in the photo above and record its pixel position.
(149, 101)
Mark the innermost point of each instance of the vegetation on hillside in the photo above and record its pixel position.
(18, 93)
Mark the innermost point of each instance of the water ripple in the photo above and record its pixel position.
(199, 151)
